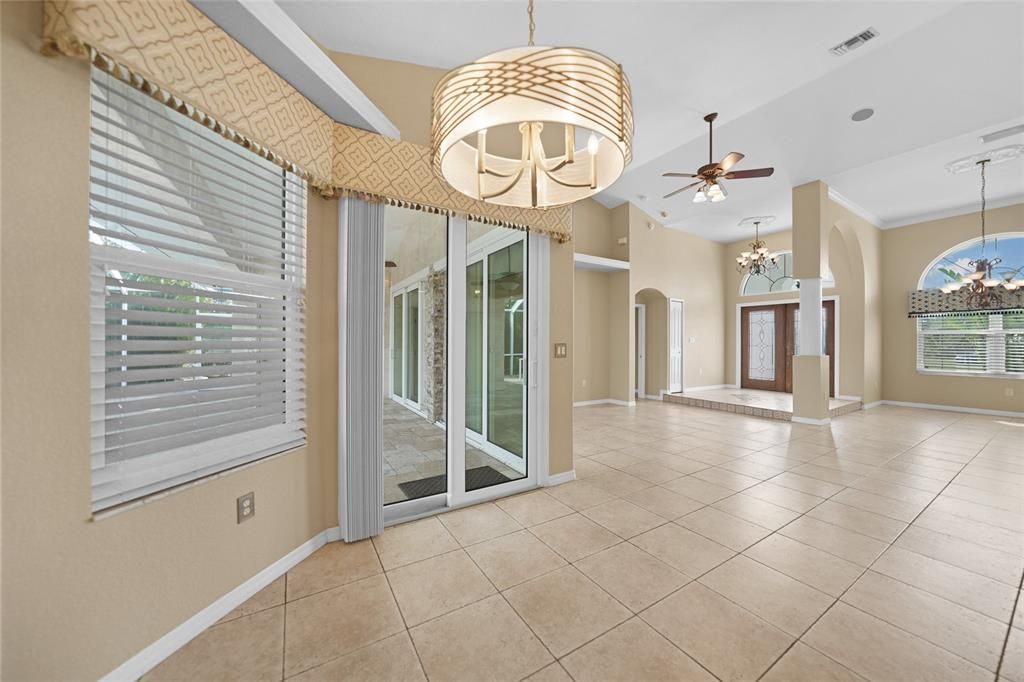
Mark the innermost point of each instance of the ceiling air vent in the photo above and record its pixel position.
(854, 42)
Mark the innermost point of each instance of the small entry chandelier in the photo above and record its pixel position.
(982, 288)
(529, 87)
(758, 260)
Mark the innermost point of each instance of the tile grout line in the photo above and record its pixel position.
(1009, 627)
(868, 568)
(284, 627)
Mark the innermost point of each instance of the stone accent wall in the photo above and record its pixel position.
(435, 307)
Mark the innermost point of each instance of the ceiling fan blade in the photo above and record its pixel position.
(730, 160)
(752, 173)
(683, 189)
(679, 175)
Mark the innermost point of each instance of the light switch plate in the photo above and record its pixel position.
(561, 350)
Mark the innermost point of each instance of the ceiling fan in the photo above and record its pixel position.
(711, 175)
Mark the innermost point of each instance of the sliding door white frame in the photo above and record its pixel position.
(537, 393)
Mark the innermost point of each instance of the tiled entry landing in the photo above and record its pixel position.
(767, 404)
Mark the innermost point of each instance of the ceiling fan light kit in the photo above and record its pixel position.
(529, 87)
(710, 176)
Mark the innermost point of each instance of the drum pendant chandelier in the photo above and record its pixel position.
(584, 92)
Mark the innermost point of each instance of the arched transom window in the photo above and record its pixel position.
(778, 279)
(982, 343)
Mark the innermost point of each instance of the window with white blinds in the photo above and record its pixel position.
(985, 344)
(197, 280)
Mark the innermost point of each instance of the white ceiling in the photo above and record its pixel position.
(938, 74)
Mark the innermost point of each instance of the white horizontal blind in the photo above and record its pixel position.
(972, 344)
(198, 270)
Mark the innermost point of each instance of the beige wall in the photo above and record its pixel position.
(688, 267)
(590, 367)
(595, 233)
(79, 595)
(560, 392)
(906, 252)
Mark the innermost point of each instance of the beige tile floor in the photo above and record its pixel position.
(696, 545)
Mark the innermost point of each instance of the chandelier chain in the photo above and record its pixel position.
(533, 25)
(982, 163)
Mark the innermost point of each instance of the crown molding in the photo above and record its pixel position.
(856, 209)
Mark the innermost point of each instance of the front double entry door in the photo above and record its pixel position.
(770, 337)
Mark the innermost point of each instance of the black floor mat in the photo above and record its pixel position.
(480, 477)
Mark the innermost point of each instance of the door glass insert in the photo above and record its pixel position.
(761, 345)
(497, 355)
(416, 284)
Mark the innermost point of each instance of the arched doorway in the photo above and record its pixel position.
(657, 332)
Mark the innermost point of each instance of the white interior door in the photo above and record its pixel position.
(640, 387)
(675, 346)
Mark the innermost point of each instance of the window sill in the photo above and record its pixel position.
(971, 375)
(119, 509)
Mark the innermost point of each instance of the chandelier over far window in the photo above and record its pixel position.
(983, 288)
(758, 260)
(538, 92)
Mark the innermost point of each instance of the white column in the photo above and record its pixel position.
(810, 316)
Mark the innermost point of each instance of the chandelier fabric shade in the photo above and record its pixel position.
(581, 91)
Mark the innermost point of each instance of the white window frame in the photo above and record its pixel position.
(828, 281)
(995, 337)
(995, 332)
(114, 483)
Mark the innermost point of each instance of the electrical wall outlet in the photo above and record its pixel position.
(561, 350)
(583, 383)
(245, 506)
(1008, 392)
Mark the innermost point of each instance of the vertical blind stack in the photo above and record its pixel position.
(197, 278)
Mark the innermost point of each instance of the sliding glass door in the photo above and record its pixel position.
(415, 424)
(471, 330)
(496, 355)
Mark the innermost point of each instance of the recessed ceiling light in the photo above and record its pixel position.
(664, 214)
(862, 114)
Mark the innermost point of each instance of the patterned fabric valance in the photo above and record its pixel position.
(175, 53)
(937, 303)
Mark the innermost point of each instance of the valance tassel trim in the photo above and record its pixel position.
(240, 97)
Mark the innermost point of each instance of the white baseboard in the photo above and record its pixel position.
(559, 479)
(869, 406)
(811, 422)
(848, 397)
(606, 401)
(652, 397)
(154, 654)
(950, 408)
